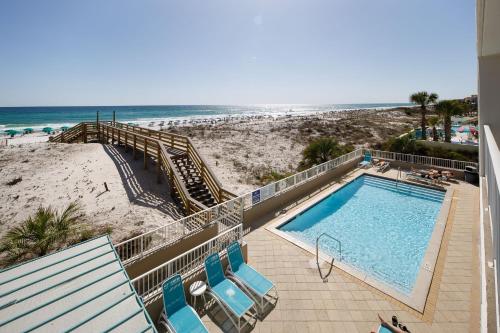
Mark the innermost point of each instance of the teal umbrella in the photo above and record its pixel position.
(28, 130)
(11, 132)
(64, 128)
(47, 130)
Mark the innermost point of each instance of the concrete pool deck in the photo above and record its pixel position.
(347, 304)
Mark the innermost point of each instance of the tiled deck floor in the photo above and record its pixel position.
(345, 304)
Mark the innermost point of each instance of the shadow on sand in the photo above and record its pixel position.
(140, 184)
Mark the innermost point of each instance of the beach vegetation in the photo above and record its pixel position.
(14, 181)
(408, 145)
(273, 176)
(446, 109)
(423, 99)
(322, 150)
(433, 121)
(45, 231)
(404, 145)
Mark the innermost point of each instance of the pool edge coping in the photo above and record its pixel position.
(419, 295)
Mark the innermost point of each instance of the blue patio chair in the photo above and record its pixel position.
(367, 160)
(255, 284)
(234, 302)
(178, 316)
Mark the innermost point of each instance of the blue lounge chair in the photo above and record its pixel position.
(234, 302)
(179, 317)
(255, 284)
(367, 160)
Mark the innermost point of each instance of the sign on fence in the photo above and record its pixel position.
(255, 197)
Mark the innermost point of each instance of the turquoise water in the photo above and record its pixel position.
(384, 230)
(38, 117)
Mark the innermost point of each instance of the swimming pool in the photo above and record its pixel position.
(384, 228)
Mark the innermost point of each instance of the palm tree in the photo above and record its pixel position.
(423, 98)
(322, 150)
(446, 109)
(433, 122)
(39, 234)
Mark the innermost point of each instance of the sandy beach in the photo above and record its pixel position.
(240, 151)
(57, 174)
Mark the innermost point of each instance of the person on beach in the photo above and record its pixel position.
(391, 328)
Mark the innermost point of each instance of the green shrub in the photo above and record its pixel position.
(322, 150)
(407, 145)
(41, 233)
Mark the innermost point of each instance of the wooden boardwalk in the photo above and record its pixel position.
(194, 185)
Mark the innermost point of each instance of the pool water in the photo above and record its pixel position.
(384, 227)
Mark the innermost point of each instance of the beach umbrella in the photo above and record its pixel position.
(11, 132)
(64, 128)
(47, 130)
(28, 130)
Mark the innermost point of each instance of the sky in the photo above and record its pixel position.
(152, 52)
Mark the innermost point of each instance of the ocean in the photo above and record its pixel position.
(55, 117)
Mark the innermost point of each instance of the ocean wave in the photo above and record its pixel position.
(180, 114)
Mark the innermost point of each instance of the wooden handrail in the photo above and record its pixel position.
(190, 203)
(157, 141)
(174, 141)
(186, 197)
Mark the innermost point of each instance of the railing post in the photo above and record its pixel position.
(142, 247)
(126, 141)
(145, 153)
(158, 164)
(62, 137)
(84, 133)
(97, 124)
(134, 150)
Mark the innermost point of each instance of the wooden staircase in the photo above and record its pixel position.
(193, 184)
(193, 180)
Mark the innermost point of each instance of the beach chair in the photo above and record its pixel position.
(367, 160)
(178, 316)
(418, 178)
(383, 166)
(255, 284)
(237, 306)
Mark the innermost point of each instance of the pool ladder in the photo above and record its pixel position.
(398, 177)
(325, 277)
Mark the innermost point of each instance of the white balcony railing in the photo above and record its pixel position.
(226, 215)
(423, 160)
(288, 183)
(148, 285)
(492, 177)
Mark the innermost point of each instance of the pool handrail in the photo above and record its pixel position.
(325, 277)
